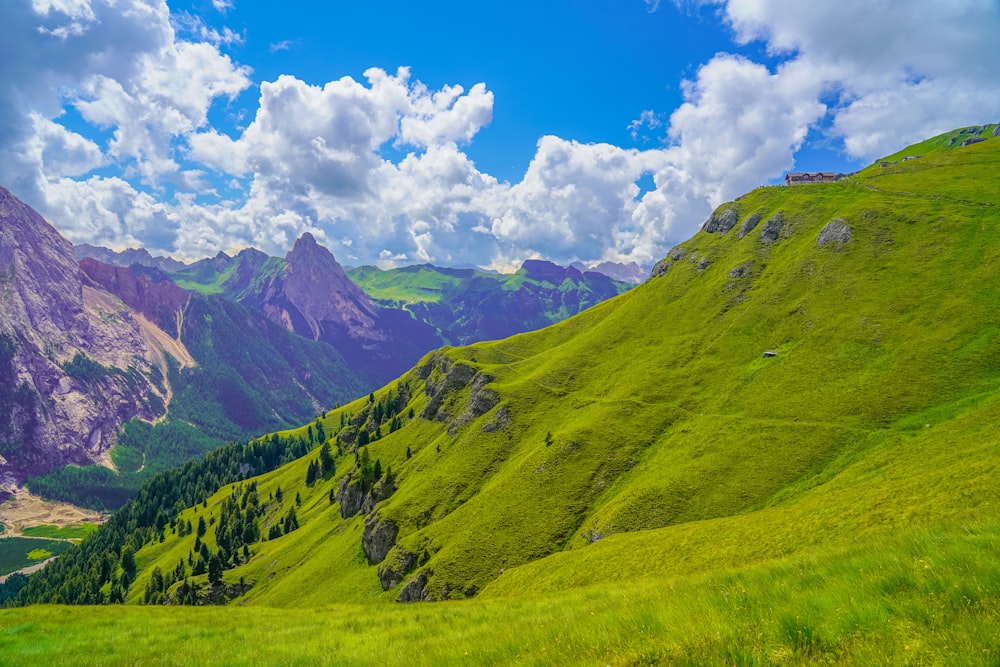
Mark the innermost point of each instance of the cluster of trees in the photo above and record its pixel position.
(17, 403)
(107, 555)
(237, 529)
(85, 369)
(322, 468)
(368, 423)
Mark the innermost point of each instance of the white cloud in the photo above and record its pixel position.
(927, 61)
(168, 97)
(283, 45)
(316, 157)
(647, 120)
(222, 5)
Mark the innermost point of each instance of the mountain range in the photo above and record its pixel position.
(781, 448)
(190, 356)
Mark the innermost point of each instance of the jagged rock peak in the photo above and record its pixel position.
(307, 249)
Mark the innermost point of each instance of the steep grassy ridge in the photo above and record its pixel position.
(658, 410)
(671, 492)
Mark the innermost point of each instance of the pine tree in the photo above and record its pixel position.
(327, 464)
(214, 569)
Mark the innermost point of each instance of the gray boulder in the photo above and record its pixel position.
(676, 254)
(350, 497)
(835, 231)
(771, 231)
(394, 568)
(721, 222)
(378, 538)
(415, 589)
(749, 225)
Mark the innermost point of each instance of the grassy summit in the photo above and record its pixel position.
(640, 483)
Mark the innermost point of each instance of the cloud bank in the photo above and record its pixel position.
(106, 107)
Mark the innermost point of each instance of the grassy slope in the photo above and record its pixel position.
(823, 480)
(411, 284)
(655, 424)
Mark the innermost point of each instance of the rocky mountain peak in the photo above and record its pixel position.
(308, 255)
(68, 351)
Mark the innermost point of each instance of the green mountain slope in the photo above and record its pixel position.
(647, 463)
(465, 305)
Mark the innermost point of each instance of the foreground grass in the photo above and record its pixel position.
(930, 597)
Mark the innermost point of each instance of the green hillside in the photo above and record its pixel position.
(466, 306)
(640, 483)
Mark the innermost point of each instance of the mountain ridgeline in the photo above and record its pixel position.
(120, 367)
(816, 371)
(122, 364)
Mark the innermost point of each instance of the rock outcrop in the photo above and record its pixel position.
(415, 589)
(771, 230)
(721, 221)
(395, 567)
(749, 225)
(676, 254)
(378, 538)
(835, 231)
(444, 380)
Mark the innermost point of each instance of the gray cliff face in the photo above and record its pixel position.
(323, 293)
(73, 360)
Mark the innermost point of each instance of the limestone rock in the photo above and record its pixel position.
(771, 230)
(835, 231)
(452, 377)
(415, 589)
(748, 225)
(739, 271)
(676, 254)
(721, 222)
(660, 267)
(350, 496)
(378, 538)
(395, 567)
(74, 361)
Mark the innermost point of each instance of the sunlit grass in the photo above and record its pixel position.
(929, 597)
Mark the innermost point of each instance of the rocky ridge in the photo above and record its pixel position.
(74, 362)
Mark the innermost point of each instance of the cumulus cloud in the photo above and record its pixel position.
(376, 167)
(926, 60)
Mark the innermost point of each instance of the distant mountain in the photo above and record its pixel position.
(75, 363)
(383, 321)
(88, 349)
(308, 293)
(626, 273)
(127, 257)
(466, 305)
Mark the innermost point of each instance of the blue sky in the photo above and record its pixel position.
(587, 130)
